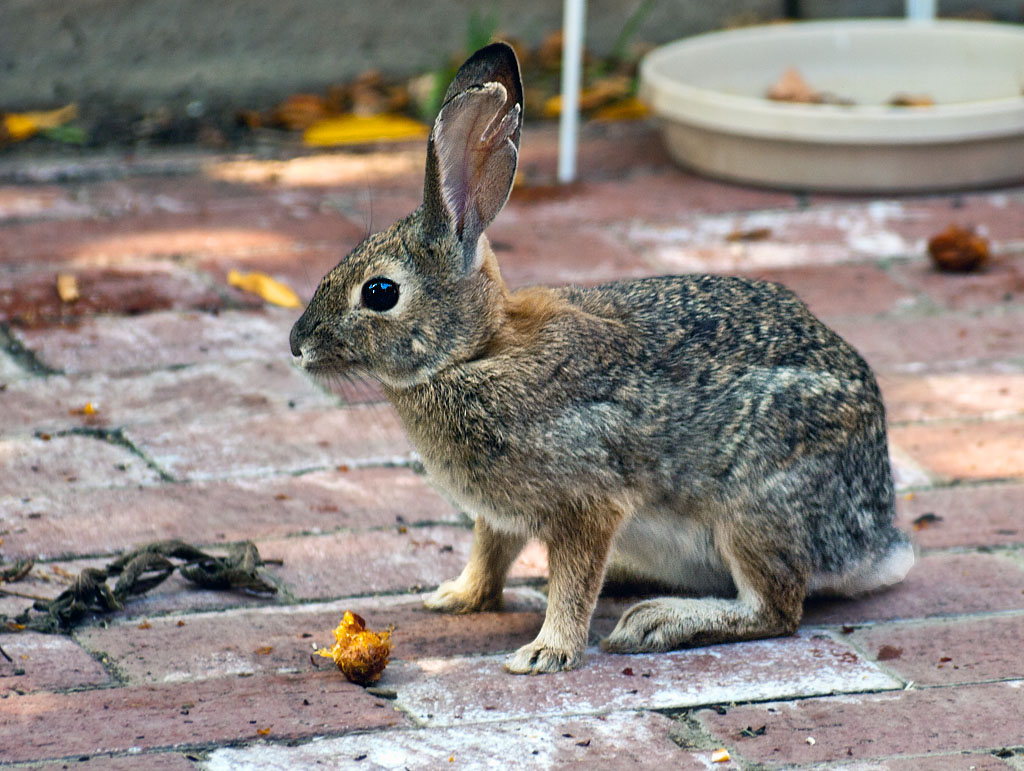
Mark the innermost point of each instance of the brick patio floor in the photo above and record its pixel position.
(205, 431)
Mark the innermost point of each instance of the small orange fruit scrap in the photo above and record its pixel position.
(720, 756)
(360, 654)
(958, 250)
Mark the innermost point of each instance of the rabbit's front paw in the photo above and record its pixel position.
(538, 658)
(455, 597)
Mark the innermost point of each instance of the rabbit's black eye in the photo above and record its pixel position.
(380, 294)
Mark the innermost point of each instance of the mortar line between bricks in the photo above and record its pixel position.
(24, 357)
(970, 420)
(117, 437)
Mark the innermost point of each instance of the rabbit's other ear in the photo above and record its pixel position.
(474, 149)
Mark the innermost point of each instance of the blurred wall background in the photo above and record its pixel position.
(148, 53)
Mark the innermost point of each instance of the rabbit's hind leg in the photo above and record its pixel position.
(771, 583)
(480, 585)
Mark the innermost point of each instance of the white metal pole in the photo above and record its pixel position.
(921, 10)
(572, 66)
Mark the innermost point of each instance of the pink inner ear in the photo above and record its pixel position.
(476, 156)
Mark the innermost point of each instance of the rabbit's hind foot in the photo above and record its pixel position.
(668, 623)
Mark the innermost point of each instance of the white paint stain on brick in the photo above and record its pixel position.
(617, 740)
(465, 690)
(818, 236)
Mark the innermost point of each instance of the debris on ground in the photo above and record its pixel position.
(958, 250)
(18, 126)
(270, 289)
(67, 287)
(925, 520)
(360, 654)
(138, 572)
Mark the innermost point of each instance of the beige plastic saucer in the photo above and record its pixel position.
(709, 92)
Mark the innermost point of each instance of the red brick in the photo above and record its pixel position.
(262, 225)
(999, 283)
(948, 652)
(988, 515)
(151, 761)
(951, 395)
(965, 451)
(456, 691)
(277, 639)
(193, 394)
(958, 761)
(29, 297)
(39, 202)
(669, 196)
(399, 166)
(552, 255)
(939, 584)
(843, 289)
(30, 466)
(63, 522)
(606, 150)
(998, 215)
(46, 662)
(935, 344)
(187, 714)
(874, 726)
(345, 564)
(607, 742)
(292, 441)
(162, 339)
(787, 238)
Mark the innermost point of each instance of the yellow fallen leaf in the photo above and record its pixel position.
(21, 125)
(88, 409)
(269, 289)
(720, 756)
(626, 109)
(359, 129)
(67, 287)
(263, 731)
(599, 93)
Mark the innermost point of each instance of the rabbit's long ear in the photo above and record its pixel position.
(474, 148)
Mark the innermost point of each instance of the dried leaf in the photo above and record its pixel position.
(271, 290)
(360, 129)
(16, 126)
(67, 287)
(926, 520)
(599, 93)
(144, 572)
(911, 100)
(299, 111)
(755, 234)
(88, 409)
(17, 571)
(626, 109)
(791, 87)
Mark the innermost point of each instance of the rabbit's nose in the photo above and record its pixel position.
(293, 338)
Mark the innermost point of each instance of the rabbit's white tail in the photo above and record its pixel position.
(882, 572)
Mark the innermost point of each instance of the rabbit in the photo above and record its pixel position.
(701, 433)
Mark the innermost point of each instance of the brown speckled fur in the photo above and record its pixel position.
(704, 433)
